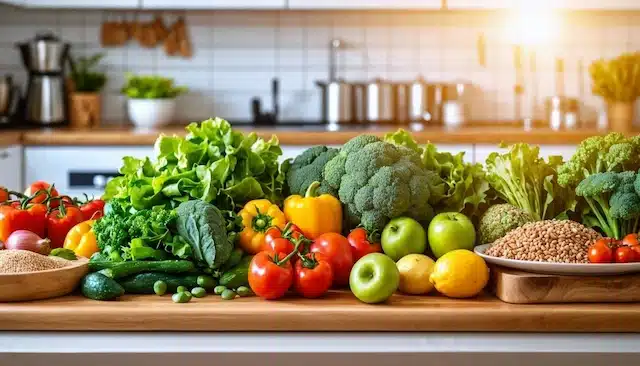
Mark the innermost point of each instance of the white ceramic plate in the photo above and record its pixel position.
(575, 269)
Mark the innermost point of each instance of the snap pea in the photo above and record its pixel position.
(206, 282)
(181, 297)
(228, 294)
(181, 289)
(218, 290)
(160, 287)
(244, 291)
(198, 292)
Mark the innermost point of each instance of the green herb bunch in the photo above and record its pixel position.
(151, 87)
(86, 77)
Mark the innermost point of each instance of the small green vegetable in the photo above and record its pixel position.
(181, 297)
(228, 294)
(244, 291)
(150, 87)
(188, 293)
(219, 290)
(64, 253)
(207, 282)
(498, 220)
(142, 283)
(160, 288)
(181, 289)
(198, 292)
(97, 286)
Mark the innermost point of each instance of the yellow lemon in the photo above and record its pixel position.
(460, 273)
(415, 270)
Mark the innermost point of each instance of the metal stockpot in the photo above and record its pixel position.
(381, 101)
(425, 102)
(337, 102)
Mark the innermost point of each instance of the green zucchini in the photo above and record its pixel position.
(142, 283)
(97, 286)
(123, 269)
(238, 275)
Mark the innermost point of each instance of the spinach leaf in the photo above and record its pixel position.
(202, 225)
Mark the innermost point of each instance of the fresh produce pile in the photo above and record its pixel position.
(217, 212)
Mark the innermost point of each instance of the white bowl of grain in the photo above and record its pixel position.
(28, 276)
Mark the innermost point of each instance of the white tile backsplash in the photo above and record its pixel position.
(237, 53)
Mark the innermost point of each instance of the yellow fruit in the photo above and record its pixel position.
(415, 270)
(460, 273)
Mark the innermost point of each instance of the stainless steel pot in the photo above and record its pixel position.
(425, 102)
(337, 102)
(454, 104)
(381, 101)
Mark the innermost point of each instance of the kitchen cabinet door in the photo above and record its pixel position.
(365, 4)
(109, 4)
(11, 168)
(214, 4)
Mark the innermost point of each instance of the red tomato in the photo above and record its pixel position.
(93, 209)
(361, 244)
(290, 231)
(55, 203)
(43, 187)
(337, 250)
(60, 221)
(4, 194)
(630, 240)
(601, 251)
(625, 255)
(312, 276)
(280, 245)
(270, 275)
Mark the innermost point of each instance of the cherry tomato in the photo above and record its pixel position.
(270, 274)
(280, 245)
(625, 255)
(601, 251)
(60, 221)
(43, 186)
(337, 250)
(290, 231)
(92, 210)
(312, 275)
(630, 240)
(361, 244)
(55, 203)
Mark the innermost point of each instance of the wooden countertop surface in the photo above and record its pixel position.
(308, 135)
(339, 311)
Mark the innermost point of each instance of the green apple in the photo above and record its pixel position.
(449, 231)
(374, 278)
(403, 236)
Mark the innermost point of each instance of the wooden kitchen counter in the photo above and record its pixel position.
(8, 138)
(312, 135)
(339, 311)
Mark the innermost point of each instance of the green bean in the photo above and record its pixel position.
(181, 297)
(218, 290)
(198, 292)
(160, 288)
(228, 294)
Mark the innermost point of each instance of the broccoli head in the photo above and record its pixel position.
(308, 167)
(377, 181)
(498, 220)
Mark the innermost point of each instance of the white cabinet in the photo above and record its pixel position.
(365, 4)
(545, 4)
(214, 4)
(481, 152)
(108, 4)
(11, 168)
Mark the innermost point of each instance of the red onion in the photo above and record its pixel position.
(26, 240)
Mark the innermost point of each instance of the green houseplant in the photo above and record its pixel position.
(151, 99)
(87, 80)
(618, 81)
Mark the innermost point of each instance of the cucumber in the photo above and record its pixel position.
(234, 259)
(238, 275)
(123, 269)
(142, 283)
(97, 286)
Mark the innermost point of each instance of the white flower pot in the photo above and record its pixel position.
(151, 112)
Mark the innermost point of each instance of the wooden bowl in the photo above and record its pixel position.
(42, 284)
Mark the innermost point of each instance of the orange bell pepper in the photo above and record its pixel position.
(257, 217)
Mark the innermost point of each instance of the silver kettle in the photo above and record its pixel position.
(44, 57)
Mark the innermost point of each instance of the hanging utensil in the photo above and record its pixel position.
(184, 43)
(159, 28)
(518, 88)
(482, 50)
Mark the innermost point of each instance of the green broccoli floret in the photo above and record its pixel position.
(498, 220)
(308, 167)
(598, 154)
(613, 202)
(378, 181)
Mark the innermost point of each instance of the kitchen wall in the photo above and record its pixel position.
(237, 53)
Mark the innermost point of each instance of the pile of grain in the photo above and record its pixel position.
(20, 261)
(546, 241)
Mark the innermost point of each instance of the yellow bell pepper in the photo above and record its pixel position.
(313, 214)
(82, 240)
(257, 217)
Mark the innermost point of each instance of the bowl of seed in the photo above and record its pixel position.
(551, 247)
(26, 275)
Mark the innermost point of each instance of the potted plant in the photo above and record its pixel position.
(85, 105)
(618, 82)
(151, 99)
